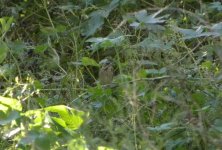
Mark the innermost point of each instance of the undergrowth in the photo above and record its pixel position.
(166, 89)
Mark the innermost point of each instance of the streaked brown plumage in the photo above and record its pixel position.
(106, 72)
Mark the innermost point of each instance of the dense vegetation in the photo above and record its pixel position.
(167, 58)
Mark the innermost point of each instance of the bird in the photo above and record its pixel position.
(106, 71)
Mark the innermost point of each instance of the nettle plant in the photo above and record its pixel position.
(167, 84)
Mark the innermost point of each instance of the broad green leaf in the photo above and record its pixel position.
(90, 26)
(216, 5)
(96, 19)
(42, 142)
(218, 125)
(72, 118)
(86, 61)
(217, 28)
(41, 48)
(163, 127)
(37, 116)
(207, 65)
(12, 115)
(175, 144)
(78, 143)
(6, 23)
(29, 138)
(11, 103)
(3, 51)
(155, 71)
(142, 16)
(38, 140)
(191, 33)
(60, 121)
(17, 47)
(105, 42)
(53, 30)
(7, 70)
(200, 98)
(151, 44)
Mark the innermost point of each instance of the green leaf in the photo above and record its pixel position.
(191, 33)
(12, 115)
(42, 142)
(29, 138)
(216, 5)
(155, 71)
(6, 23)
(163, 127)
(17, 47)
(218, 125)
(97, 17)
(41, 48)
(142, 16)
(152, 43)
(60, 121)
(90, 26)
(3, 51)
(72, 118)
(105, 42)
(105, 148)
(11, 103)
(200, 98)
(78, 143)
(207, 65)
(86, 61)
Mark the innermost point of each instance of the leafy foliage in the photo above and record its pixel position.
(166, 92)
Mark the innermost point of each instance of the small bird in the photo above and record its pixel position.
(106, 72)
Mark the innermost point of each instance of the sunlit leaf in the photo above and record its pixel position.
(86, 61)
(105, 148)
(78, 143)
(72, 118)
(11, 103)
